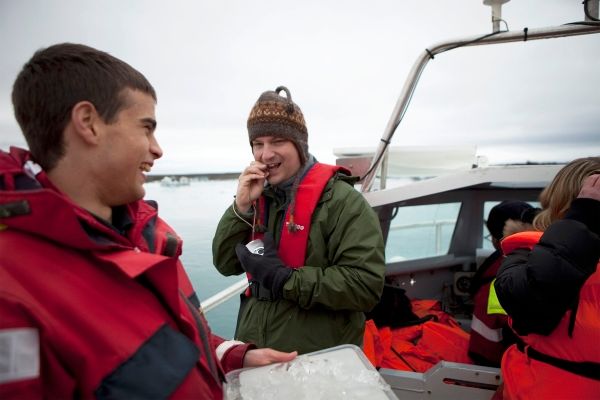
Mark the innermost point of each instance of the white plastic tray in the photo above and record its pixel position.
(341, 372)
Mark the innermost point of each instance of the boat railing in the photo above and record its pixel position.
(589, 26)
(224, 295)
(238, 287)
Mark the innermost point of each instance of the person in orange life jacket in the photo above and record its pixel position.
(323, 265)
(94, 302)
(490, 333)
(549, 285)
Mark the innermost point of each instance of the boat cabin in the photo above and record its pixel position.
(435, 239)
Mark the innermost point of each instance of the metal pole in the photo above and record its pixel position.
(591, 10)
(224, 295)
(419, 65)
(496, 12)
(384, 170)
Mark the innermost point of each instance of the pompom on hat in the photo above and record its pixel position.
(279, 116)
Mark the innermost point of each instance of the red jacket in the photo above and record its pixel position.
(115, 316)
(526, 377)
(487, 341)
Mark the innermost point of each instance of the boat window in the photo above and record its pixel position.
(421, 231)
(487, 238)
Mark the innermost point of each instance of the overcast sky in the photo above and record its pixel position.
(345, 63)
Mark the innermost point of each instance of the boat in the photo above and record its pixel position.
(452, 207)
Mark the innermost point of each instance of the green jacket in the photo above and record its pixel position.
(323, 302)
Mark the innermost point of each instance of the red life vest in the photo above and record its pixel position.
(114, 314)
(292, 244)
(528, 378)
(128, 318)
(418, 347)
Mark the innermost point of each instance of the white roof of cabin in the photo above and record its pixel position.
(511, 176)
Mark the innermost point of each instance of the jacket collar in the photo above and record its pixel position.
(29, 202)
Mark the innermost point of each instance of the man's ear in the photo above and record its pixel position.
(83, 119)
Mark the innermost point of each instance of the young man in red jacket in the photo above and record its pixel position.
(94, 302)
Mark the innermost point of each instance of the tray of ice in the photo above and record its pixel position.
(341, 372)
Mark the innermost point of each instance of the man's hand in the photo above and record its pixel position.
(260, 357)
(268, 270)
(590, 188)
(250, 185)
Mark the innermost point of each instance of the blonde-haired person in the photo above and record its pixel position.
(549, 285)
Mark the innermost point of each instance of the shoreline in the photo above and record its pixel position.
(205, 176)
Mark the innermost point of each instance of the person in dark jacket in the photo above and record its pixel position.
(549, 285)
(490, 333)
(323, 263)
(94, 302)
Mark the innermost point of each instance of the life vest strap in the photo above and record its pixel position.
(587, 369)
(260, 292)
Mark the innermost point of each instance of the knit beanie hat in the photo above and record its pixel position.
(500, 213)
(275, 115)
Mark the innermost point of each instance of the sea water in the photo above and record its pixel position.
(194, 211)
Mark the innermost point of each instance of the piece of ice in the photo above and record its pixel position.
(323, 376)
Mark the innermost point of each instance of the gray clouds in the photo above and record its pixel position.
(345, 64)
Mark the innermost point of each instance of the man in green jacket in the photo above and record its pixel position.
(323, 262)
